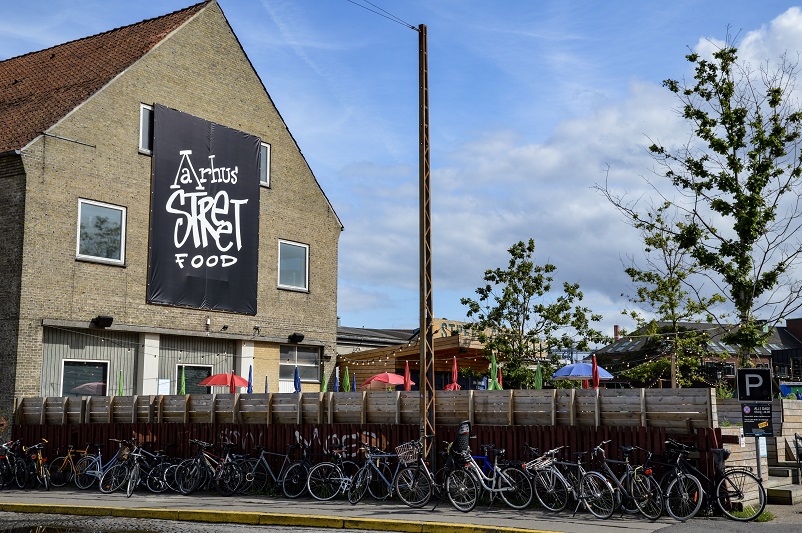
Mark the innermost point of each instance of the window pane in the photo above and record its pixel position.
(146, 129)
(292, 265)
(308, 356)
(264, 164)
(192, 376)
(85, 378)
(309, 373)
(286, 371)
(101, 231)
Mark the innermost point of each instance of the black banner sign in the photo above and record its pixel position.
(204, 229)
(756, 419)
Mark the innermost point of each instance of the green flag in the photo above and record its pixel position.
(325, 383)
(346, 381)
(182, 385)
(494, 384)
(120, 384)
(538, 377)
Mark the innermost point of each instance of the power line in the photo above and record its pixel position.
(384, 13)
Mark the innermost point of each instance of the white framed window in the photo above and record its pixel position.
(264, 165)
(101, 232)
(146, 128)
(306, 358)
(84, 378)
(293, 265)
(193, 374)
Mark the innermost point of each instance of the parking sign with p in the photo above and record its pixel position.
(754, 384)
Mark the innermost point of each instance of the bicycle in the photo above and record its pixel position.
(206, 468)
(739, 494)
(37, 464)
(373, 476)
(258, 473)
(511, 484)
(91, 468)
(548, 483)
(13, 467)
(590, 489)
(64, 469)
(636, 485)
(327, 479)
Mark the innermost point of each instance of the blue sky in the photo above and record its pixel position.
(531, 102)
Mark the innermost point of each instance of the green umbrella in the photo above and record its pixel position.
(538, 377)
(494, 384)
(346, 381)
(120, 384)
(325, 383)
(182, 385)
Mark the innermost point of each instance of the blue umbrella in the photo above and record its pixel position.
(250, 379)
(336, 382)
(297, 380)
(353, 383)
(580, 371)
(265, 384)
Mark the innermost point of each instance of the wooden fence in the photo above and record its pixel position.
(676, 410)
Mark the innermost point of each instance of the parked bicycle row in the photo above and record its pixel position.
(589, 481)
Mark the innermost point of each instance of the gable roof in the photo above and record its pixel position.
(38, 89)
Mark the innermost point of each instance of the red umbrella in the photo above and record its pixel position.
(221, 380)
(407, 379)
(386, 377)
(595, 373)
(453, 385)
(500, 383)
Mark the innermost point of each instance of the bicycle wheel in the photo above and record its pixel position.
(324, 481)
(597, 495)
(113, 478)
(740, 495)
(155, 480)
(683, 497)
(84, 476)
(256, 477)
(413, 486)
(359, 485)
(461, 490)
(294, 483)
(551, 490)
(378, 487)
(60, 471)
(170, 479)
(20, 473)
(190, 476)
(228, 479)
(647, 496)
(133, 480)
(521, 494)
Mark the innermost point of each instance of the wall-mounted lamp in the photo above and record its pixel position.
(101, 321)
(257, 330)
(296, 337)
(224, 328)
(208, 323)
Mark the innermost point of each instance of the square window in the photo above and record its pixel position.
(293, 266)
(305, 358)
(84, 378)
(101, 232)
(146, 128)
(193, 374)
(264, 165)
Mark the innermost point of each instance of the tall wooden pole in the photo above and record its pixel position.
(426, 377)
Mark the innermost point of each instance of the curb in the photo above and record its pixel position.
(265, 519)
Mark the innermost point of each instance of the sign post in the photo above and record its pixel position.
(754, 392)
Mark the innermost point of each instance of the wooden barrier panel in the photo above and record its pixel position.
(381, 407)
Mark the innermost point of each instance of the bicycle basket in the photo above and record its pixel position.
(407, 452)
(461, 438)
(125, 451)
(540, 463)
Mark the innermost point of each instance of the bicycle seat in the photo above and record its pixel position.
(579, 455)
(627, 449)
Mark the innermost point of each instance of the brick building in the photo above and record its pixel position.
(93, 300)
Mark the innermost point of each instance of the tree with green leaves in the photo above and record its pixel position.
(517, 315)
(738, 184)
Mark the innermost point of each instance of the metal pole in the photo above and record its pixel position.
(426, 334)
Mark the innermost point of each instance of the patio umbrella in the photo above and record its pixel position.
(336, 380)
(453, 385)
(346, 381)
(93, 388)
(250, 379)
(325, 383)
(120, 384)
(297, 380)
(221, 380)
(407, 379)
(500, 382)
(182, 384)
(595, 372)
(494, 384)
(353, 383)
(538, 377)
(580, 371)
(265, 384)
(385, 377)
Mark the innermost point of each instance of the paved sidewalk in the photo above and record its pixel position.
(367, 515)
